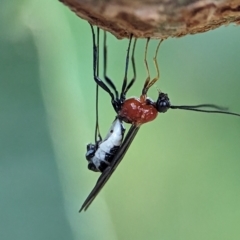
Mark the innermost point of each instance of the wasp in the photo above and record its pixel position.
(105, 155)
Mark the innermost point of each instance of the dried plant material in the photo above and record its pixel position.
(155, 18)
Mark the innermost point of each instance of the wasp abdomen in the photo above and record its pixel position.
(100, 155)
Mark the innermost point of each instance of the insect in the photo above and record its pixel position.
(100, 154)
(136, 111)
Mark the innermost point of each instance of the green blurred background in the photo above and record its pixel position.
(181, 177)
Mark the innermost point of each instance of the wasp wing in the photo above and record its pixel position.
(106, 174)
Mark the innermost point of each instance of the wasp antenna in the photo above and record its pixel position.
(189, 108)
(202, 106)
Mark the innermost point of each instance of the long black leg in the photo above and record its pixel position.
(134, 68)
(122, 97)
(107, 79)
(98, 81)
(97, 130)
(98, 136)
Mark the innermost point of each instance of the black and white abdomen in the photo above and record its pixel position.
(100, 155)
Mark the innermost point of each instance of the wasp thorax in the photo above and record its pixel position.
(163, 103)
(137, 111)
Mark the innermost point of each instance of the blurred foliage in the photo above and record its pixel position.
(180, 178)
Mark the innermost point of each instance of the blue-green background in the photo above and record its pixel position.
(180, 179)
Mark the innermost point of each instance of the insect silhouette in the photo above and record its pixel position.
(105, 155)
